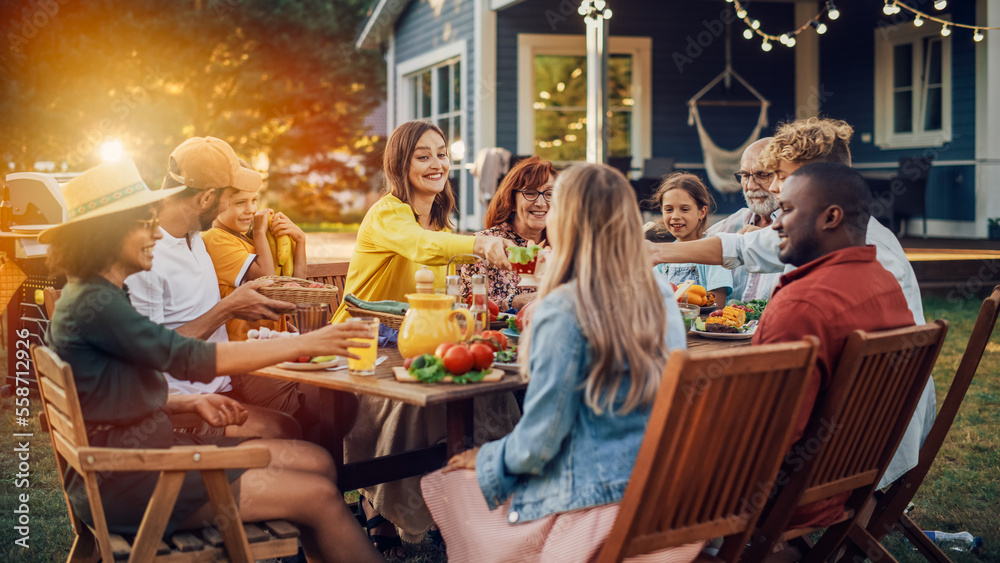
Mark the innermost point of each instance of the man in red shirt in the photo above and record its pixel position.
(837, 287)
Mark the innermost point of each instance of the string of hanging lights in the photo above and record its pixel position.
(788, 38)
(893, 7)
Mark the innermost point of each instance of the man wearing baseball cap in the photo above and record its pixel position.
(181, 291)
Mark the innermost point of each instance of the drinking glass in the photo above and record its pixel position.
(312, 316)
(365, 363)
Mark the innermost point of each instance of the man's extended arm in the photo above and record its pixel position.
(243, 303)
(704, 251)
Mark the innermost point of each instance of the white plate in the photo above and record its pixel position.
(309, 366)
(508, 366)
(724, 335)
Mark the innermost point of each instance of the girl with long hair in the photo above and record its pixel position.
(685, 203)
(595, 353)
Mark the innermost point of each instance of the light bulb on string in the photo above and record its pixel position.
(741, 13)
(918, 21)
(755, 24)
(783, 39)
(766, 45)
(831, 11)
(790, 42)
(977, 36)
(600, 4)
(820, 26)
(748, 33)
(945, 30)
(940, 4)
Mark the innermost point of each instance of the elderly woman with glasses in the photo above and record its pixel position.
(517, 213)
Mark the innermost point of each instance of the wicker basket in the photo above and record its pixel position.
(388, 319)
(326, 294)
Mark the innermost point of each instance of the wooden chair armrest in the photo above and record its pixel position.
(179, 458)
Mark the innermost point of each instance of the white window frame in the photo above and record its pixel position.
(640, 48)
(886, 39)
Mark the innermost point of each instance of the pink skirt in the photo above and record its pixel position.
(473, 532)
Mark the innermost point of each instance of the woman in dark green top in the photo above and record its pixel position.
(117, 356)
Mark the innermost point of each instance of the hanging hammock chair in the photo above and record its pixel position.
(720, 163)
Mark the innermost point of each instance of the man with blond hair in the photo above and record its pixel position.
(795, 145)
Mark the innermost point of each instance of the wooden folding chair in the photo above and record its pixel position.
(332, 273)
(716, 436)
(872, 396)
(890, 506)
(64, 421)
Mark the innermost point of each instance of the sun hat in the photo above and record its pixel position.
(207, 163)
(107, 188)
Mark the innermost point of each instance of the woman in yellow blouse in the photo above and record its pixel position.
(408, 228)
(405, 230)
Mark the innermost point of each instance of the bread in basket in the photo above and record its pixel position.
(298, 290)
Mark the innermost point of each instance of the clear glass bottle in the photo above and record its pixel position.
(453, 287)
(480, 308)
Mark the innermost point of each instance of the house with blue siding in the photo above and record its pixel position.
(510, 73)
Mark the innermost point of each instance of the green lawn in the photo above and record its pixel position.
(962, 491)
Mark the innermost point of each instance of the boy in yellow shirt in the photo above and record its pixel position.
(237, 243)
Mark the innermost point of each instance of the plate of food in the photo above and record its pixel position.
(507, 360)
(312, 364)
(725, 324)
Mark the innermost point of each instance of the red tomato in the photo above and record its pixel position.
(303, 359)
(496, 338)
(458, 360)
(482, 355)
(716, 313)
(407, 362)
(443, 348)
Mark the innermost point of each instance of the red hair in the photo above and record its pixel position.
(529, 174)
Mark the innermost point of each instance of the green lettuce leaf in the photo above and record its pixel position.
(428, 368)
(522, 254)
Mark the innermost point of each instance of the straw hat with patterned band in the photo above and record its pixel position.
(207, 163)
(105, 189)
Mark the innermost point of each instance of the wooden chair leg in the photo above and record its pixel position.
(227, 519)
(154, 521)
(862, 545)
(919, 539)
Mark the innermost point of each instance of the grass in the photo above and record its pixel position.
(962, 491)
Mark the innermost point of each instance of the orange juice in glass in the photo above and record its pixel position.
(365, 363)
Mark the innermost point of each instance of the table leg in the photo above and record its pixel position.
(460, 426)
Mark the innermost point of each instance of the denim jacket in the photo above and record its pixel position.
(563, 456)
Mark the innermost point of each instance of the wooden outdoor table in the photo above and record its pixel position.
(336, 388)
(702, 344)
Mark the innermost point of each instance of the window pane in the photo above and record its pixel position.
(620, 81)
(902, 65)
(620, 134)
(457, 87)
(933, 52)
(903, 112)
(425, 102)
(444, 82)
(446, 129)
(561, 81)
(557, 136)
(415, 102)
(932, 114)
(456, 128)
